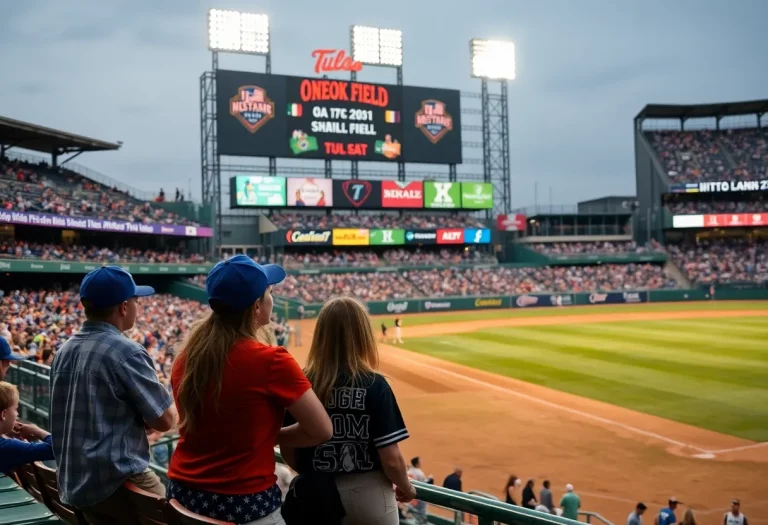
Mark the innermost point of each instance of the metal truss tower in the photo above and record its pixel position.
(495, 115)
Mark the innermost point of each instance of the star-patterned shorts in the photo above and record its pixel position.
(241, 508)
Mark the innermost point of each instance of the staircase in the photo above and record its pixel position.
(727, 154)
(673, 271)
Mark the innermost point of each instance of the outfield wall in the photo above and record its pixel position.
(544, 300)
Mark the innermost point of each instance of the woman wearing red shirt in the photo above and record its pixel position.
(232, 392)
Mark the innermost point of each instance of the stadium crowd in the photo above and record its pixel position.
(29, 187)
(695, 207)
(569, 248)
(708, 155)
(304, 221)
(722, 260)
(370, 258)
(365, 286)
(70, 252)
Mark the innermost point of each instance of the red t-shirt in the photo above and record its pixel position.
(231, 451)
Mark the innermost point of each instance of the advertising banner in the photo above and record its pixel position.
(396, 194)
(379, 237)
(420, 237)
(450, 236)
(31, 265)
(535, 301)
(93, 224)
(477, 235)
(257, 190)
(350, 236)
(308, 237)
(355, 193)
(477, 195)
(732, 186)
(310, 192)
(732, 220)
(618, 297)
(402, 306)
(445, 195)
(511, 223)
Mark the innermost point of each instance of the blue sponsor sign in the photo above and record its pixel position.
(477, 236)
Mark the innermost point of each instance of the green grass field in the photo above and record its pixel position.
(711, 373)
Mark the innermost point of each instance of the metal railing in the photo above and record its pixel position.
(33, 382)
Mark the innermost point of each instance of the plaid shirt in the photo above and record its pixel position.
(103, 389)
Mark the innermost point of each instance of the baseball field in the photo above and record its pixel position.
(627, 403)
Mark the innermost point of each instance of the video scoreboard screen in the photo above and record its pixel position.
(315, 118)
(298, 192)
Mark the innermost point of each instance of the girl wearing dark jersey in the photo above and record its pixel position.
(363, 455)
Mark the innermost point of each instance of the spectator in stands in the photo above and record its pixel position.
(7, 357)
(545, 497)
(735, 516)
(104, 389)
(529, 497)
(415, 473)
(636, 516)
(509, 491)
(342, 367)
(225, 378)
(570, 503)
(15, 452)
(453, 481)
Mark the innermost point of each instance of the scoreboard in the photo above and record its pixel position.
(318, 118)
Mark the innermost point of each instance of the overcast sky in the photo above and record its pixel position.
(128, 70)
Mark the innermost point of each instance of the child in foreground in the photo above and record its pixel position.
(15, 452)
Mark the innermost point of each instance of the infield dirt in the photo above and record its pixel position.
(494, 426)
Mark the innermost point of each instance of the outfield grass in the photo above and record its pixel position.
(711, 373)
(507, 313)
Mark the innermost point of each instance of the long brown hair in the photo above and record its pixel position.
(343, 343)
(689, 518)
(205, 353)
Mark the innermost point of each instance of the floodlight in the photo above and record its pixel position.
(237, 32)
(493, 59)
(377, 47)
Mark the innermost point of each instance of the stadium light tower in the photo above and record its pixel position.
(237, 32)
(374, 46)
(494, 61)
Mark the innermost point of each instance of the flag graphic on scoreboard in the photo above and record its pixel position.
(433, 120)
(295, 110)
(300, 142)
(391, 117)
(251, 107)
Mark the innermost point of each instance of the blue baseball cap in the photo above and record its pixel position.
(111, 285)
(6, 354)
(239, 281)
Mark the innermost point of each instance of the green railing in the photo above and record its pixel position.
(33, 381)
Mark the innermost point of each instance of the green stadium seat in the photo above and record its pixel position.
(27, 515)
(7, 483)
(14, 498)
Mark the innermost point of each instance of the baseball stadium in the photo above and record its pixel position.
(615, 347)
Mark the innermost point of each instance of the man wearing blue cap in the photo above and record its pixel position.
(7, 357)
(104, 395)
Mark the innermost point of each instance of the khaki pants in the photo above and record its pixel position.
(368, 499)
(117, 509)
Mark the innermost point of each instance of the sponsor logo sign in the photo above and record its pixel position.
(527, 300)
(490, 302)
(511, 223)
(596, 298)
(310, 192)
(632, 297)
(477, 195)
(477, 235)
(396, 194)
(350, 236)
(258, 190)
(308, 237)
(437, 305)
(397, 307)
(446, 195)
(450, 236)
(381, 237)
(725, 220)
(720, 186)
(420, 237)
(357, 194)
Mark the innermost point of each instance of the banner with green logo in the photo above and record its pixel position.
(477, 195)
(258, 190)
(446, 195)
(387, 237)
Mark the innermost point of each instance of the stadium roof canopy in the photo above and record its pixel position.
(14, 133)
(687, 111)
